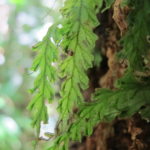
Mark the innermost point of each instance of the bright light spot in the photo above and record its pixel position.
(54, 64)
(4, 12)
(24, 18)
(34, 73)
(10, 124)
(52, 40)
(17, 79)
(60, 26)
(42, 32)
(2, 59)
(51, 3)
(47, 128)
(25, 39)
(2, 2)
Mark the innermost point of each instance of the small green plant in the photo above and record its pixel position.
(71, 47)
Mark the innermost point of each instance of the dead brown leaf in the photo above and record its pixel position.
(119, 16)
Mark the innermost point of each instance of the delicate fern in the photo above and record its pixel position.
(78, 42)
(131, 96)
(43, 85)
(79, 18)
(135, 44)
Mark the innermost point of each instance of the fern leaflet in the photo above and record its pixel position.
(78, 42)
(135, 43)
(131, 96)
(43, 89)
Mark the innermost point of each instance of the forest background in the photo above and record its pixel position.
(22, 24)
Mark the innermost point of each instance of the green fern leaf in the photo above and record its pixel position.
(108, 4)
(78, 43)
(135, 44)
(107, 105)
(43, 84)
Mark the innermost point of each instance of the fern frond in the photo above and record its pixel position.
(108, 4)
(129, 99)
(77, 40)
(135, 44)
(43, 84)
(78, 43)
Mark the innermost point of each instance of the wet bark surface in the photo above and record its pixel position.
(121, 134)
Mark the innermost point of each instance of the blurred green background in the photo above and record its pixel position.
(22, 24)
